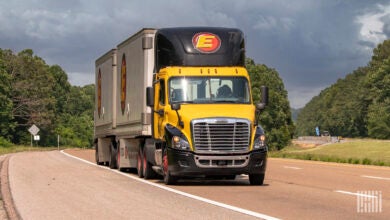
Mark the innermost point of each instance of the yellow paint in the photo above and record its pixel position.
(188, 111)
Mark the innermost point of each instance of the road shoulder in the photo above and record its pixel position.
(7, 208)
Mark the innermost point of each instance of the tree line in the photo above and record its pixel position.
(356, 106)
(276, 118)
(33, 92)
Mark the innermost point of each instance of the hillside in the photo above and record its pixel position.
(356, 106)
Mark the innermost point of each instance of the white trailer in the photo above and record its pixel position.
(122, 118)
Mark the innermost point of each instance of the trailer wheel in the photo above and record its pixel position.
(97, 156)
(168, 178)
(113, 163)
(147, 167)
(118, 152)
(140, 163)
(256, 179)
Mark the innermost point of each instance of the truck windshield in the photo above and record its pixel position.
(209, 90)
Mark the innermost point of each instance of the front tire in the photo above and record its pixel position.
(168, 178)
(147, 167)
(256, 179)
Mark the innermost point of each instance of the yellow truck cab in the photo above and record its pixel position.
(203, 109)
(201, 120)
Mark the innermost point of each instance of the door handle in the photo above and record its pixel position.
(160, 112)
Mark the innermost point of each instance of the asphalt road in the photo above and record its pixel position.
(53, 185)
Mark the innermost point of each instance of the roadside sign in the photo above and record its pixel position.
(318, 131)
(33, 130)
(36, 137)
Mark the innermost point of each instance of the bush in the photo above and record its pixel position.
(4, 142)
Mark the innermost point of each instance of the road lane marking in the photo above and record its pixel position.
(294, 168)
(355, 194)
(376, 177)
(219, 204)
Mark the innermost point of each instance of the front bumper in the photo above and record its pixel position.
(183, 163)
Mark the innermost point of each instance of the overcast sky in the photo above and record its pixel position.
(311, 43)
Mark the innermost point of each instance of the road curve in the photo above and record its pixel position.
(51, 185)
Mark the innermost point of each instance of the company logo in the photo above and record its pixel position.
(206, 42)
(99, 95)
(123, 84)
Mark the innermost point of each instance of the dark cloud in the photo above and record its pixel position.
(310, 43)
(386, 26)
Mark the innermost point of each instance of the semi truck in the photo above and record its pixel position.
(177, 103)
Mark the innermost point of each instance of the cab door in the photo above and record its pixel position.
(159, 108)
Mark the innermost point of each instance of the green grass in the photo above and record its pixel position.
(18, 148)
(359, 151)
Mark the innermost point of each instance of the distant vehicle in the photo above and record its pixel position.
(325, 133)
(177, 102)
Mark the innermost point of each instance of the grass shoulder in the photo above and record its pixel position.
(21, 148)
(353, 151)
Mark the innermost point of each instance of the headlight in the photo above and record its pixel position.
(260, 143)
(180, 143)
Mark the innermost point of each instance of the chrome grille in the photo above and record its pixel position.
(221, 135)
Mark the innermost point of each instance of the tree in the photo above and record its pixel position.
(356, 106)
(276, 118)
(75, 130)
(7, 125)
(75, 124)
(61, 88)
(31, 94)
(378, 86)
(339, 109)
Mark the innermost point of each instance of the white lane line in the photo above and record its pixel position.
(376, 177)
(293, 168)
(226, 206)
(355, 194)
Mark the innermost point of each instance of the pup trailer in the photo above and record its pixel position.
(177, 102)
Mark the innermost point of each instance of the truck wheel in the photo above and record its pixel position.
(140, 163)
(168, 178)
(118, 158)
(147, 167)
(97, 156)
(256, 179)
(113, 163)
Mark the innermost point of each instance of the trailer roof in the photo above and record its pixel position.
(137, 35)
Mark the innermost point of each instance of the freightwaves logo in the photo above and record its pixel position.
(206, 42)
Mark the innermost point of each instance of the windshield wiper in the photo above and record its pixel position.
(183, 102)
(227, 101)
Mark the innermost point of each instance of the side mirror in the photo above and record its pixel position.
(264, 98)
(150, 96)
(175, 106)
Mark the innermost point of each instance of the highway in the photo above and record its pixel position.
(59, 185)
